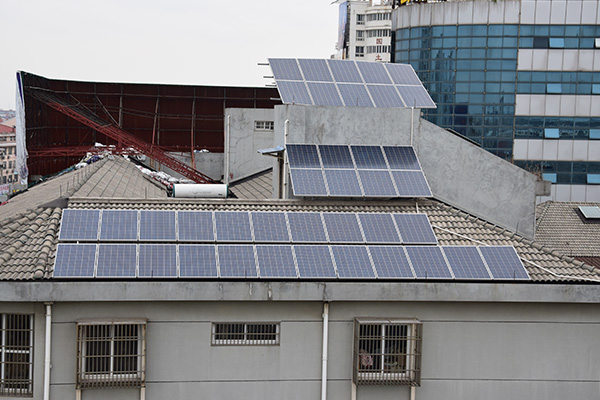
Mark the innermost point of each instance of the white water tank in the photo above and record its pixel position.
(199, 190)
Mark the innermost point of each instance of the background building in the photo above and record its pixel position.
(8, 155)
(518, 77)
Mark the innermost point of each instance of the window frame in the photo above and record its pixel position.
(266, 126)
(244, 340)
(408, 347)
(8, 388)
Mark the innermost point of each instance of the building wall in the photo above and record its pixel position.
(369, 31)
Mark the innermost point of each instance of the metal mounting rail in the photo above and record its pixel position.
(83, 115)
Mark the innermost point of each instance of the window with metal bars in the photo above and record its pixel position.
(245, 334)
(111, 354)
(264, 125)
(387, 351)
(16, 366)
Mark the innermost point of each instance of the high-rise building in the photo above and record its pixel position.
(521, 78)
(365, 30)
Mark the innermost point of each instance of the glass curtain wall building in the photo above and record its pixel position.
(521, 78)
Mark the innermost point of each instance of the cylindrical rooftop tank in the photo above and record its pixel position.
(199, 190)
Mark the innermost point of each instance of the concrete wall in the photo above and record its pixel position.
(459, 172)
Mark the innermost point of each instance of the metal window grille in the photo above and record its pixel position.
(111, 354)
(264, 125)
(387, 352)
(245, 334)
(16, 364)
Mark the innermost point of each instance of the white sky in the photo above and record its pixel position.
(194, 42)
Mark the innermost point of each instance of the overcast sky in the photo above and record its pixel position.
(196, 42)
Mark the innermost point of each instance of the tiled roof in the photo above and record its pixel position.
(256, 187)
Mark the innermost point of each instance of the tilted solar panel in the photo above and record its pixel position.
(197, 261)
(195, 226)
(276, 261)
(415, 229)
(75, 260)
(345, 71)
(373, 72)
(270, 227)
(428, 262)
(306, 227)
(303, 156)
(117, 260)
(415, 96)
(343, 228)
(79, 224)
(294, 92)
(237, 261)
(314, 261)
(315, 70)
(286, 69)
(324, 94)
(368, 157)
(503, 262)
(385, 96)
(352, 262)
(157, 225)
(336, 156)
(343, 182)
(233, 226)
(379, 228)
(390, 262)
(308, 182)
(119, 225)
(466, 262)
(377, 183)
(402, 157)
(355, 95)
(157, 261)
(402, 74)
(411, 184)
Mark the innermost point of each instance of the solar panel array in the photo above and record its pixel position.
(348, 83)
(356, 171)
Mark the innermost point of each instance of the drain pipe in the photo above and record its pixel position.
(325, 342)
(413, 392)
(47, 347)
(286, 128)
(412, 124)
(226, 172)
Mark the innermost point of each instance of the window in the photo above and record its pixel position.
(594, 133)
(360, 36)
(359, 51)
(379, 17)
(16, 365)
(111, 354)
(378, 49)
(387, 351)
(360, 19)
(551, 133)
(554, 88)
(540, 42)
(378, 33)
(550, 177)
(264, 125)
(245, 334)
(556, 43)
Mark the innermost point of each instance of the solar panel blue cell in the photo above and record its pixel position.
(315, 70)
(195, 226)
(373, 72)
(75, 261)
(377, 183)
(368, 157)
(379, 228)
(276, 261)
(402, 157)
(503, 262)
(314, 261)
(303, 156)
(411, 184)
(285, 68)
(343, 228)
(344, 71)
(157, 261)
(343, 182)
(79, 225)
(415, 96)
(352, 262)
(157, 225)
(237, 261)
(293, 92)
(385, 96)
(197, 261)
(336, 156)
(428, 262)
(119, 225)
(116, 260)
(390, 262)
(306, 227)
(324, 94)
(466, 262)
(355, 95)
(415, 229)
(308, 182)
(402, 74)
(270, 227)
(233, 226)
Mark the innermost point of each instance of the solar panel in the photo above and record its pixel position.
(116, 260)
(158, 261)
(343, 182)
(308, 182)
(324, 94)
(285, 68)
(385, 96)
(315, 70)
(368, 157)
(119, 225)
(276, 261)
(345, 71)
(195, 226)
(342, 228)
(379, 228)
(79, 225)
(591, 212)
(336, 156)
(306, 227)
(314, 261)
(197, 261)
(415, 96)
(75, 260)
(373, 72)
(237, 261)
(390, 262)
(157, 225)
(411, 184)
(233, 226)
(377, 183)
(466, 262)
(402, 157)
(428, 262)
(503, 262)
(402, 74)
(415, 229)
(270, 227)
(352, 262)
(303, 156)
(355, 95)
(293, 92)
